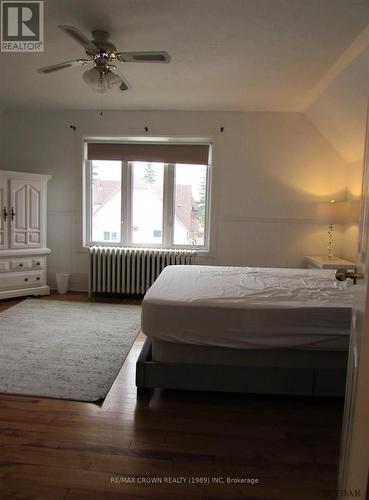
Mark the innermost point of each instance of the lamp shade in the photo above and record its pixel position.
(333, 212)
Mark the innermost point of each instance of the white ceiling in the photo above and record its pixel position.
(226, 54)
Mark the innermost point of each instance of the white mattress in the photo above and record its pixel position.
(247, 308)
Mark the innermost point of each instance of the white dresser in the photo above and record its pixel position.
(23, 249)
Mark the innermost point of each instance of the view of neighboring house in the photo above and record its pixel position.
(147, 213)
(106, 210)
(188, 229)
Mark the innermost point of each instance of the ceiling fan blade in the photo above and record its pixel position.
(78, 37)
(123, 86)
(157, 57)
(67, 64)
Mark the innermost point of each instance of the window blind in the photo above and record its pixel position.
(194, 154)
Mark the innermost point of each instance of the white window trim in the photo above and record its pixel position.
(126, 203)
(126, 209)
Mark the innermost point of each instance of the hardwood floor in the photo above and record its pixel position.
(188, 442)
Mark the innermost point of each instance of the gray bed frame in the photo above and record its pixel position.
(309, 373)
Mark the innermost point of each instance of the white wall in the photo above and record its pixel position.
(340, 113)
(1, 128)
(351, 231)
(268, 171)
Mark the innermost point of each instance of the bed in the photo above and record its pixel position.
(242, 329)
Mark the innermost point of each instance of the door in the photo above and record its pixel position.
(354, 459)
(4, 213)
(25, 213)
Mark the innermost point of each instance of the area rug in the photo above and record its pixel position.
(63, 349)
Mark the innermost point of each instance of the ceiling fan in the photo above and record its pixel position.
(104, 56)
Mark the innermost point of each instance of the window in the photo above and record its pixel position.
(106, 184)
(190, 204)
(147, 203)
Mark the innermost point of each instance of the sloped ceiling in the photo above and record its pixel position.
(226, 54)
(340, 111)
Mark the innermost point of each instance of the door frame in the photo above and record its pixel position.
(354, 452)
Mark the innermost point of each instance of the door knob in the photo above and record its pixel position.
(344, 274)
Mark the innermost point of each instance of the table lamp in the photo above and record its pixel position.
(332, 213)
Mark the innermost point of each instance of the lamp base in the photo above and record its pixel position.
(330, 241)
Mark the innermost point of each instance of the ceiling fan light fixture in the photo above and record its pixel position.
(93, 78)
(101, 81)
(112, 80)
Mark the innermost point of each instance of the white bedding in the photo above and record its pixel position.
(247, 308)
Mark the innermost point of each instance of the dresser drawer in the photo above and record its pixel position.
(4, 266)
(13, 281)
(38, 263)
(21, 264)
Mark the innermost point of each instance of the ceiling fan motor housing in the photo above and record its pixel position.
(100, 40)
(100, 35)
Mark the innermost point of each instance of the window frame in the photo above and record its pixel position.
(127, 210)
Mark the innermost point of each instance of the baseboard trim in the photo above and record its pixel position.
(78, 282)
(40, 290)
(77, 290)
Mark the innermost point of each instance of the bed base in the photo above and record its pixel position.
(311, 381)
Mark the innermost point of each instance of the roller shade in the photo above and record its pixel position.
(195, 154)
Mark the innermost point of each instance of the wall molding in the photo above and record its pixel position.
(61, 212)
(270, 220)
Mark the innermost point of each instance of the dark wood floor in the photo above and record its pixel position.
(53, 449)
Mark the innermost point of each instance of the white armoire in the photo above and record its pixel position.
(23, 248)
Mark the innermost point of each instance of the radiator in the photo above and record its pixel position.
(131, 270)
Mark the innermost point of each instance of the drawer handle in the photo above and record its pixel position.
(20, 265)
(25, 279)
(38, 279)
(37, 263)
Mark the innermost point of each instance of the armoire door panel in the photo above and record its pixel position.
(18, 204)
(34, 237)
(25, 197)
(34, 202)
(20, 237)
(19, 214)
(4, 213)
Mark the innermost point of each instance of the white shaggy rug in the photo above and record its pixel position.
(66, 350)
